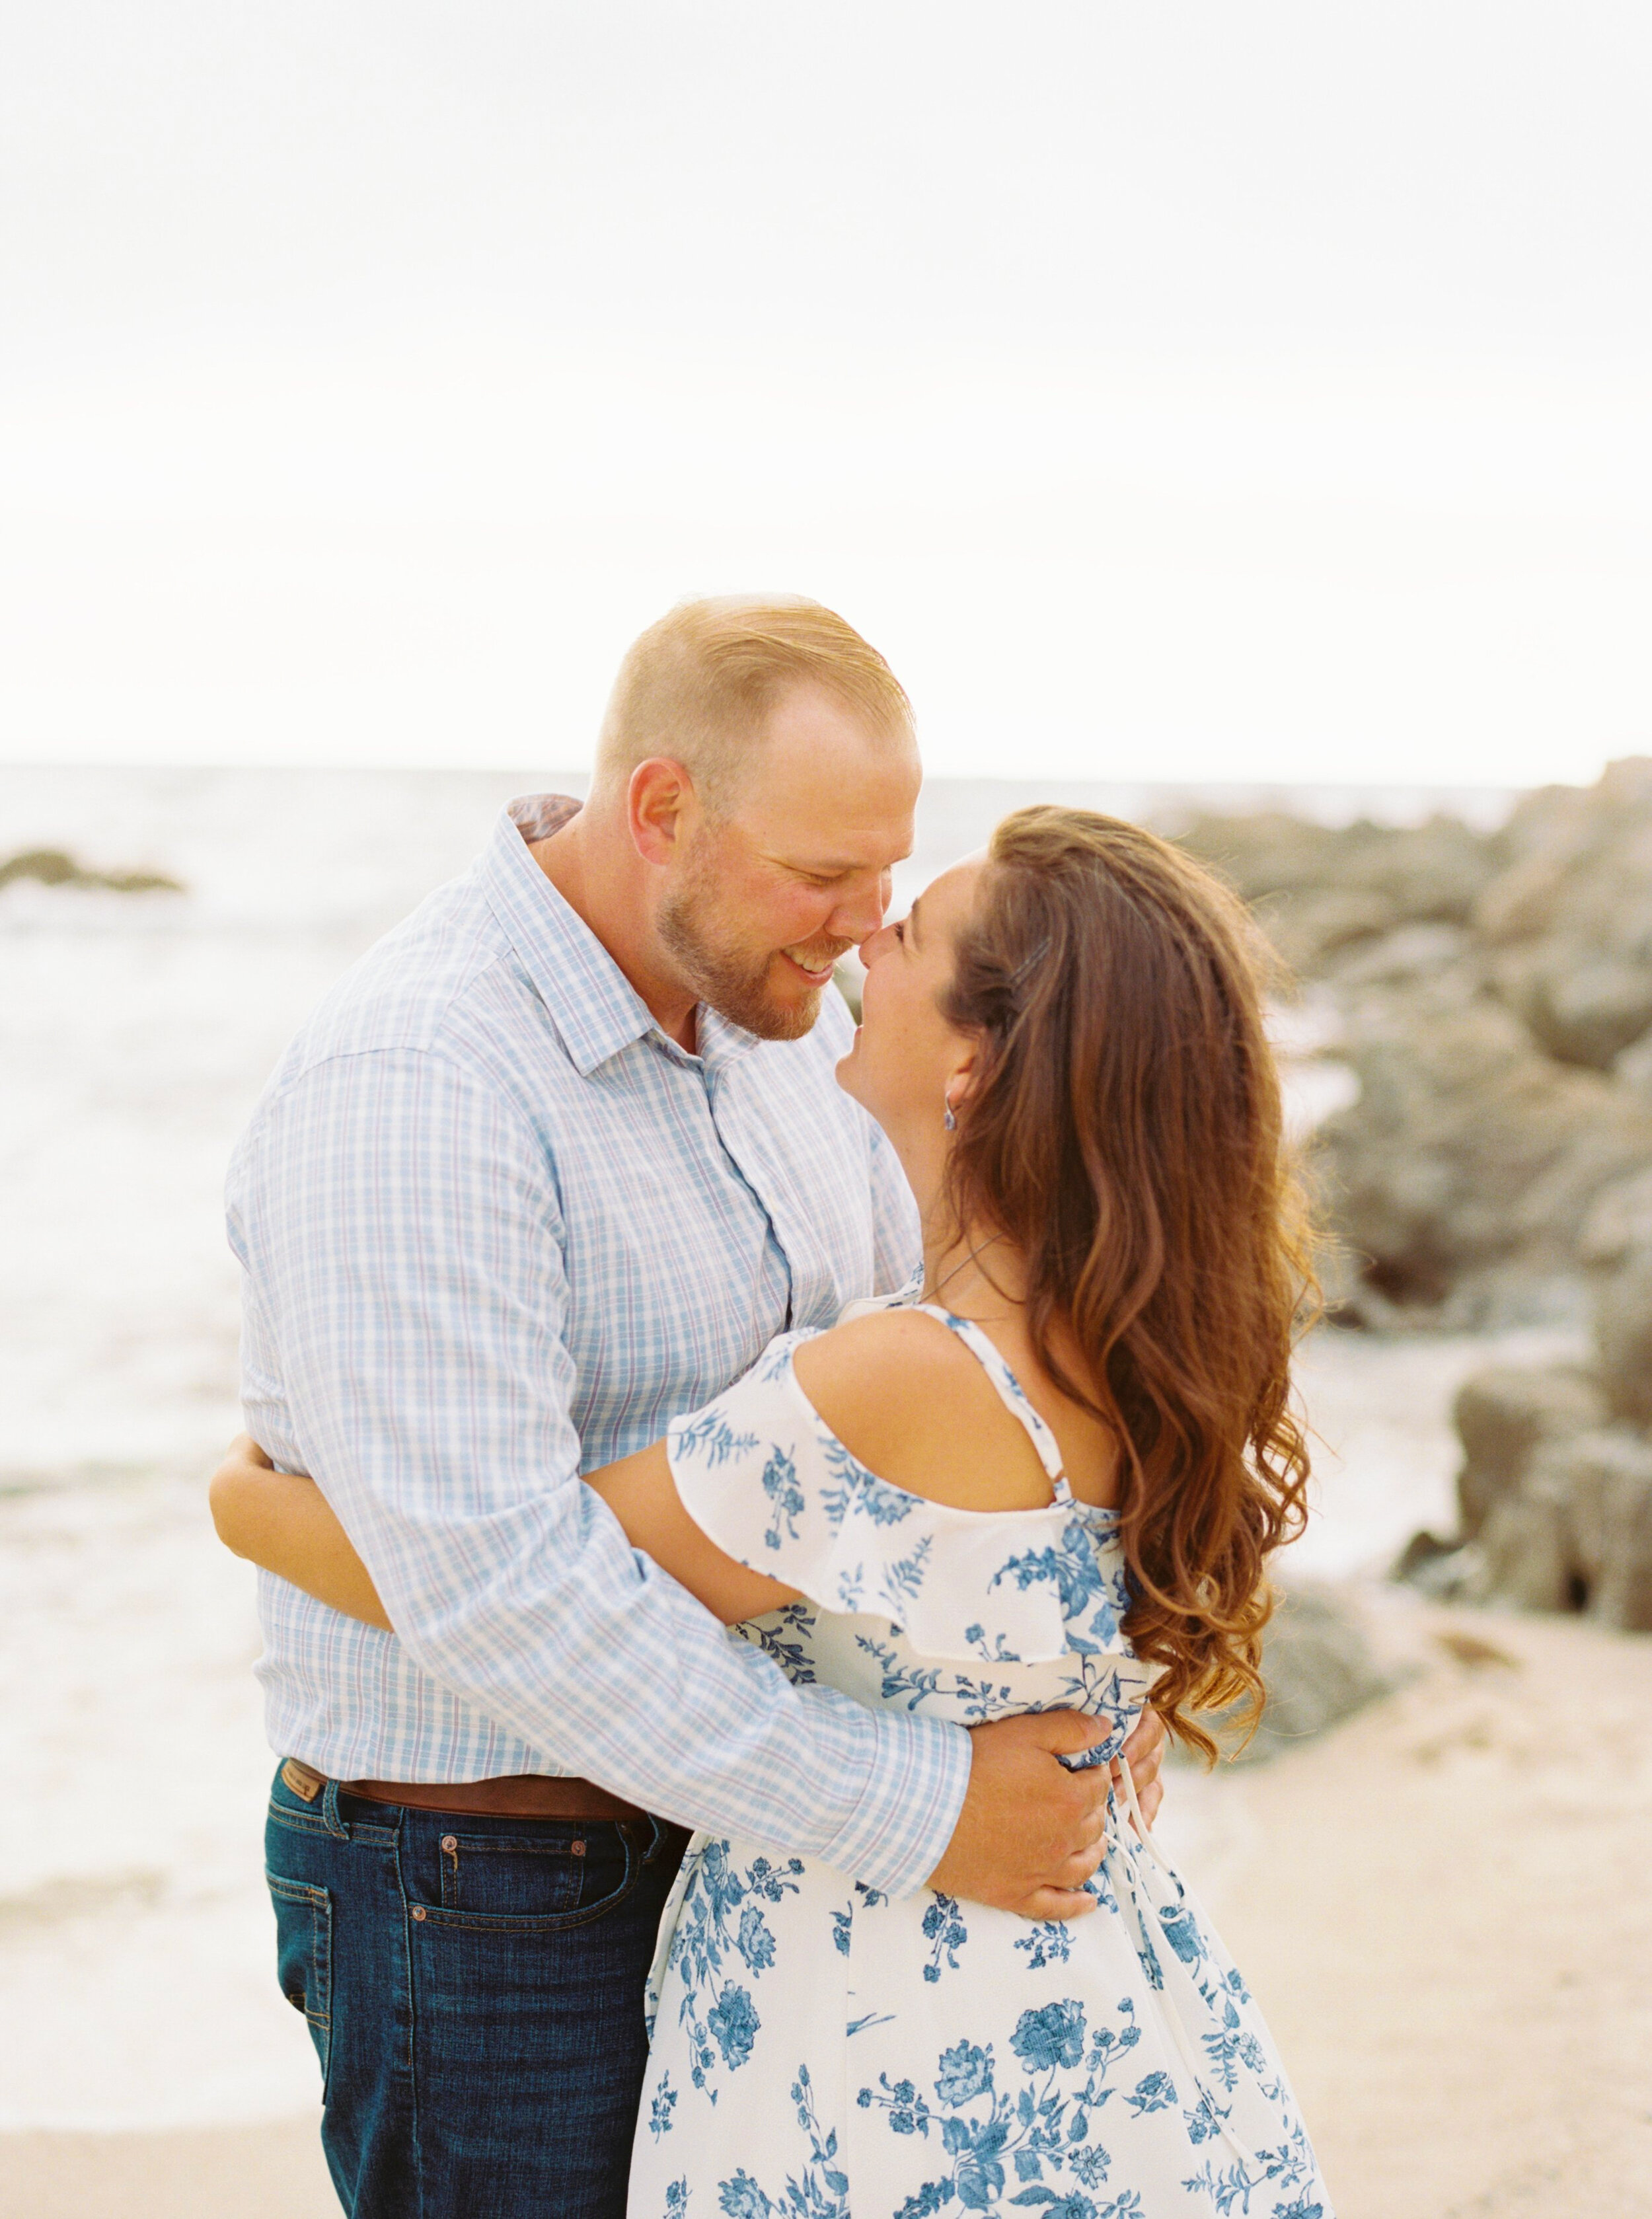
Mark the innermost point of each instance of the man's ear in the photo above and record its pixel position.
(660, 804)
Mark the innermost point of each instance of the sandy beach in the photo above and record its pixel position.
(1444, 1912)
(1441, 1905)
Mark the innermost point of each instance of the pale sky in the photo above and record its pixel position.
(1231, 389)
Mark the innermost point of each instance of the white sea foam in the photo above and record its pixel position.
(135, 1031)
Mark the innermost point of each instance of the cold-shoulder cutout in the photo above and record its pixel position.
(770, 1482)
(912, 1402)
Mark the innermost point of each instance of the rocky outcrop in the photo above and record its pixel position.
(1461, 1174)
(1555, 1489)
(1491, 995)
(1615, 1250)
(51, 866)
(1506, 1417)
(1576, 1533)
(1323, 890)
(1318, 1666)
(1567, 925)
(1492, 998)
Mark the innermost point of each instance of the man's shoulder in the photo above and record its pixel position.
(406, 990)
(441, 983)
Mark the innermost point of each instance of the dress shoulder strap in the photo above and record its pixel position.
(1011, 1392)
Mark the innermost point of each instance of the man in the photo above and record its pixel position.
(551, 1165)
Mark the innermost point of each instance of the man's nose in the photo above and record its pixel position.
(860, 914)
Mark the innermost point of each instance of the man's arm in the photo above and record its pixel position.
(403, 1229)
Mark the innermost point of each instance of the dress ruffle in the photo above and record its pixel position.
(761, 1474)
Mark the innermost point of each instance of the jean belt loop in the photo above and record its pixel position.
(330, 1818)
(656, 1840)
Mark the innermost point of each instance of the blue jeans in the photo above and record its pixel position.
(473, 1987)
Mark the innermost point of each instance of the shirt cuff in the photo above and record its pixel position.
(894, 1838)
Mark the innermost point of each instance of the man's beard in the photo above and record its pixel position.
(734, 982)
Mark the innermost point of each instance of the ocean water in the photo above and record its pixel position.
(135, 1032)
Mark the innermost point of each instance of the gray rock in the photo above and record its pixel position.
(1267, 853)
(1632, 1067)
(1608, 1479)
(1570, 922)
(1410, 956)
(1468, 1153)
(1494, 997)
(1618, 1223)
(1615, 1248)
(1320, 890)
(1623, 1338)
(1447, 1571)
(1524, 1546)
(1318, 1666)
(1312, 928)
(1432, 874)
(1577, 1532)
(1504, 1417)
(1584, 1007)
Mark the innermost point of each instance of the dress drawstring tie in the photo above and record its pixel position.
(1181, 2039)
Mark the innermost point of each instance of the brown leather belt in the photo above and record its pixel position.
(529, 1795)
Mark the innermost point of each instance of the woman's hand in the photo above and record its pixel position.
(245, 1456)
(232, 1492)
(282, 1520)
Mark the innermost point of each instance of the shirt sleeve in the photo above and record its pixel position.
(402, 1223)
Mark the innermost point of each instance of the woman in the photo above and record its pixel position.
(1058, 1485)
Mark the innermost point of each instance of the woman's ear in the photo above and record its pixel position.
(963, 1078)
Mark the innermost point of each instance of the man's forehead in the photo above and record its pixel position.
(828, 831)
(829, 810)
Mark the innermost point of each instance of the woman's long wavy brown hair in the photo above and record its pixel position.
(1126, 1136)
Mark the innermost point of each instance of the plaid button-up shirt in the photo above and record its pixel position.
(496, 1228)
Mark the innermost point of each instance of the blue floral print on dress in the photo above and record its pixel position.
(821, 2049)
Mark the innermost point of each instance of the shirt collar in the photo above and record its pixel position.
(591, 1002)
(721, 1040)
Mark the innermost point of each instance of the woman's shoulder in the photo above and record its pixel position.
(909, 1401)
(857, 1362)
(854, 1465)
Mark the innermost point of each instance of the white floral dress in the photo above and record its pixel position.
(820, 2050)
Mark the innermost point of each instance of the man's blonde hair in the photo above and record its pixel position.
(699, 685)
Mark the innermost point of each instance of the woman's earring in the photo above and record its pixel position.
(950, 1120)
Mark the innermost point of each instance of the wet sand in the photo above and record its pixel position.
(1443, 1906)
